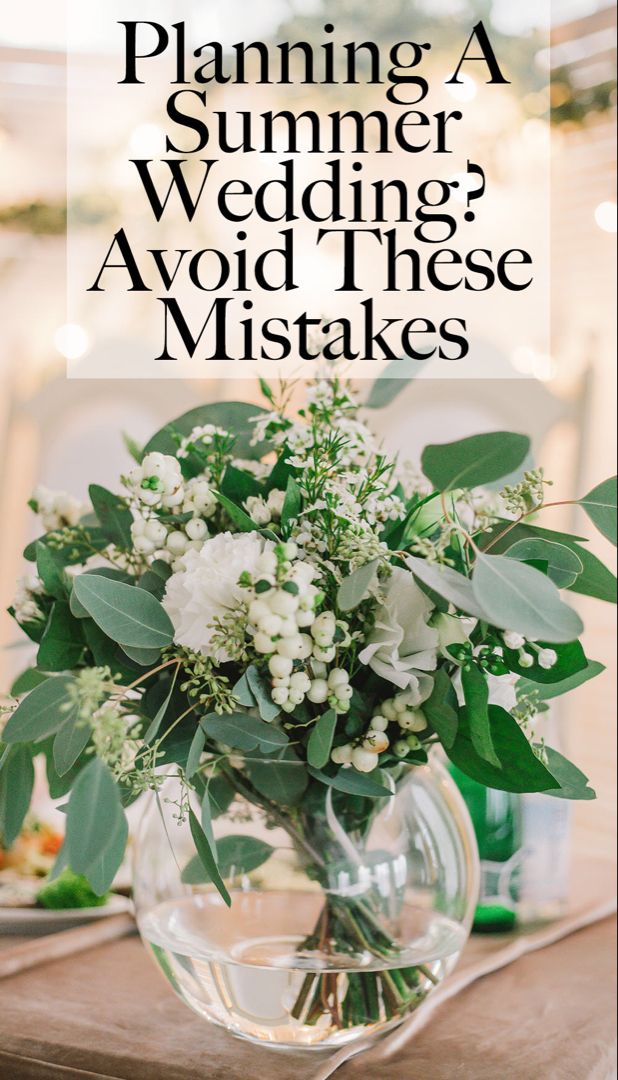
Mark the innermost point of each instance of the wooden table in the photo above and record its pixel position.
(107, 1014)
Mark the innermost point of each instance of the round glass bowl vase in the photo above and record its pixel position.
(345, 912)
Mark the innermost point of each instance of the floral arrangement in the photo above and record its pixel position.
(272, 608)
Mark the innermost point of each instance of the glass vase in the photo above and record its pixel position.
(343, 919)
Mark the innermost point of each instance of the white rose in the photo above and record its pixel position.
(207, 587)
(401, 646)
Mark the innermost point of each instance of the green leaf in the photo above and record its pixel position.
(27, 681)
(292, 503)
(563, 564)
(282, 778)
(474, 461)
(571, 780)
(78, 610)
(62, 645)
(244, 732)
(476, 697)
(16, 784)
(220, 795)
(238, 485)
(241, 520)
(243, 692)
(93, 816)
(159, 716)
(195, 753)
(114, 516)
(520, 769)
(517, 597)
(42, 713)
(133, 448)
(232, 416)
(207, 857)
(260, 690)
(353, 589)
(69, 743)
(441, 708)
(571, 660)
(236, 855)
(547, 691)
(446, 582)
(127, 614)
(352, 783)
(594, 580)
(396, 376)
(321, 740)
(51, 572)
(106, 864)
(146, 658)
(600, 506)
(70, 553)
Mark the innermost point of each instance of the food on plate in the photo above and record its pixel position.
(69, 890)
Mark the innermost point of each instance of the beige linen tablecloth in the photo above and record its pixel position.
(107, 1014)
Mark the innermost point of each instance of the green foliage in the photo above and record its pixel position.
(236, 855)
(244, 732)
(572, 784)
(207, 857)
(320, 741)
(96, 830)
(519, 770)
(282, 778)
(352, 782)
(548, 690)
(42, 712)
(69, 890)
(475, 461)
(448, 583)
(441, 708)
(232, 416)
(571, 661)
(517, 597)
(292, 503)
(113, 514)
(563, 564)
(27, 681)
(70, 546)
(476, 697)
(50, 569)
(126, 614)
(62, 645)
(353, 589)
(16, 784)
(600, 506)
(69, 743)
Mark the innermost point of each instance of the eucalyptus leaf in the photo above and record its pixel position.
(51, 572)
(62, 645)
(195, 753)
(352, 783)
(127, 614)
(320, 741)
(159, 716)
(572, 783)
(398, 374)
(207, 857)
(476, 696)
(236, 855)
(232, 416)
(517, 597)
(146, 658)
(16, 784)
(93, 815)
(113, 515)
(260, 689)
(69, 743)
(70, 552)
(244, 732)
(448, 583)
(354, 589)
(220, 795)
(243, 693)
(282, 778)
(42, 712)
(27, 681)
(600, 506)
(441, 708)
(106, 864)
(563, 564)
(571, 659)
(477, 460)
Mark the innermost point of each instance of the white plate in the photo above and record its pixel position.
(32, 920)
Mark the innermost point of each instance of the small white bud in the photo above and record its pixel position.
(388, 709)
(318, 691)
(290, 647)
(548, 658)
(342, 755)
(324, 654)
(513, 640)
(177, 543)
(282, 603)
(379, 723)
(258, 610)
(364, 761)
(376, 741)
(269, 624)
(338, 677)
(412, 720)
(155, 531)
(400, 748)
(526, 660)
(263, 644)
(280, 666)
(280, 695)
(196, 529)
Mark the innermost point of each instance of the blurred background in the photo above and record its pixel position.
(68, 434)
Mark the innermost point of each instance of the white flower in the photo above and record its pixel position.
(548, 658)
(200, 438)
(158, 481)
(25, 604)
(57, 509)
(258, 510)
(207, 588)
(401, 645)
